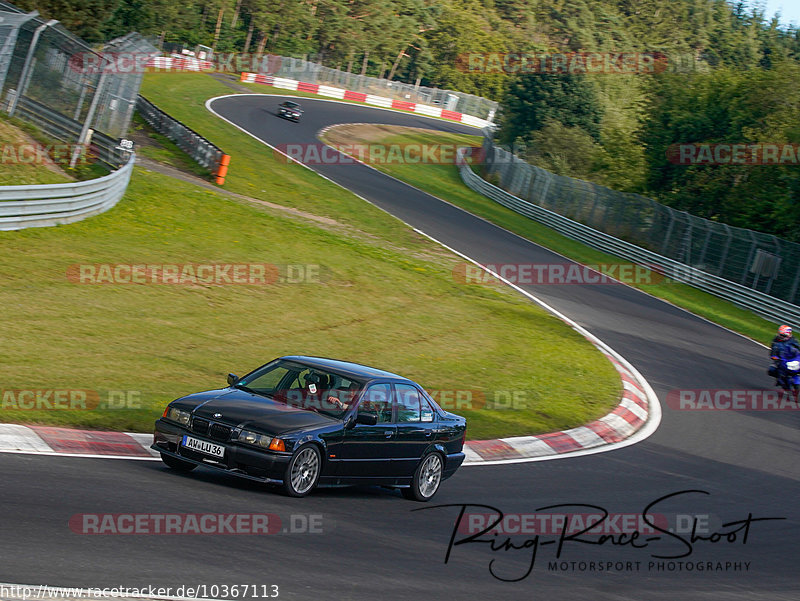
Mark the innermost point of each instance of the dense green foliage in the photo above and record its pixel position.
(731, 77)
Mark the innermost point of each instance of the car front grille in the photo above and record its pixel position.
(200, 425)
(219, 432)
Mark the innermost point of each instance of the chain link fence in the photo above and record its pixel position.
(459, 102)
(759, 261)
(315, 73)
(42, 62)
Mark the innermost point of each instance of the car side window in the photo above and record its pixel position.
(408, 403)
(377, 399)
(427, 413)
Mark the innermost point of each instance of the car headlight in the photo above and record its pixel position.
(176, 415)
(253, 438)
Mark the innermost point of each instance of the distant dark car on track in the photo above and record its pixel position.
(301, 421)
(290, 110)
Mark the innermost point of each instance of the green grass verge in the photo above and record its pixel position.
(20, 163)
(445, 182)
(158, 147)
(387, 298)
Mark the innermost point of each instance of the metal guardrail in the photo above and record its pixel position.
(196, 146)
(62, 128)
(763, 304)
(755, 259)
(46, 205)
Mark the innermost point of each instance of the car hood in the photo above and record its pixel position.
(244, 409)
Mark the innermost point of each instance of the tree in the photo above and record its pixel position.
(87, 19)
(535, 99)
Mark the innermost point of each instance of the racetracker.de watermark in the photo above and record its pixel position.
(67, 399)
(744, 154)
(514, 63)
(213, 274)
(473, 399)
(732, 400)
(39, 154)
(378, 154)
(158, 524)
(542, 523)
(557, 274)
(93, 63)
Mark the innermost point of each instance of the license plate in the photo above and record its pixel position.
(209, 448)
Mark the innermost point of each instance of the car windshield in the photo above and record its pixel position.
(303, 386)
(291, 105)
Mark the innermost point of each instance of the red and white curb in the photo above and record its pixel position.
(46, 440)
(630, 415)
(371, 99)
(626, 418)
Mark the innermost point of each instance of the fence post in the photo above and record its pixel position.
(667, 236)
(749, 261)
(16, 22)
(26, 67)
(795, 285)
(89, 116)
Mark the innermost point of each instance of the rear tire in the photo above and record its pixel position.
(177, 464)
(302, 472)
(426, 480)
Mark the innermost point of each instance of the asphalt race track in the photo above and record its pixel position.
(368, 543)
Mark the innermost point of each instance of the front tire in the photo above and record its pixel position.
(302, 472)
(177, 464)
(427, 479)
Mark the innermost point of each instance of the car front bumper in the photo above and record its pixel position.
(238, 460)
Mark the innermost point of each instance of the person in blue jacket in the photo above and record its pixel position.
(784, 342)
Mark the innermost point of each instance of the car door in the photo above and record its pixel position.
(416, 429)
(366, 450)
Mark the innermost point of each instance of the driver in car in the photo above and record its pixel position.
(321, 386)
(341, 398)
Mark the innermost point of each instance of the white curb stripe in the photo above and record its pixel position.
(471, 456)
(332, 92)
(435, 111)
(145, 440)
(633, 390)
(378, 101)
(14, 437)
(528, 446)
(619, 424)
(585, 437)
(634, 408)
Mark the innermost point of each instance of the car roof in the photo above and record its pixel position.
(345, 368)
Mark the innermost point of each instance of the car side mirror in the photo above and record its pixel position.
(368, 419)
(232, 379)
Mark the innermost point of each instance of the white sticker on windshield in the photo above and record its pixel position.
(312, 388)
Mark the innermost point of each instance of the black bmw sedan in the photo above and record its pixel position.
(290, 110)
(302, 421)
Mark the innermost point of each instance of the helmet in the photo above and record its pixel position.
(785, 332)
